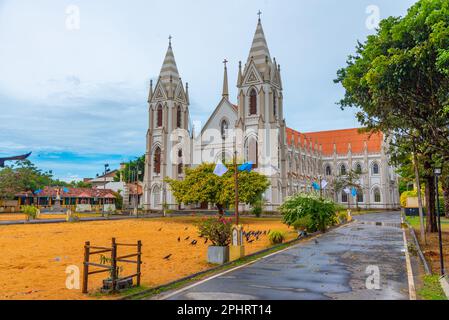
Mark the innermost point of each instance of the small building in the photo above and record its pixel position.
(79, 199)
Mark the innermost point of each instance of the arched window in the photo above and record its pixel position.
(157, 160)
(178, 117)
(358, 168)
(156, 197)
(253, 102)
(343, 170)
(274, 105)
(180, 164)
(328, 170)
(344, 197)
(251, 151)
(377, 196)
(375, 168)
(159, 116)
(223, 128)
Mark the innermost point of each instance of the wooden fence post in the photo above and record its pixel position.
(86, 265)
(139, 261)
(114, 265)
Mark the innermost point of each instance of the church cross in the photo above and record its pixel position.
(259, 14)
(225, 61)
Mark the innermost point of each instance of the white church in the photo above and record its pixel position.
(255, 130)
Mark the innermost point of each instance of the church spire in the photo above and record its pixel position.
(259, 49)
(169, 69)
(225, 93)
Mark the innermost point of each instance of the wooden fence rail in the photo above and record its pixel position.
(112, 268)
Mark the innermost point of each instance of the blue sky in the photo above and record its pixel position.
(75, 94)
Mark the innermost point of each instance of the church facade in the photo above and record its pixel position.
(255, 130)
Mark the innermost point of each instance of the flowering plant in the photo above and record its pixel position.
(217, 230)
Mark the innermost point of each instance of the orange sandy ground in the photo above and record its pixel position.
(34, 257)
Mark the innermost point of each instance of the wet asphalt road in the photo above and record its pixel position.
(333, 268)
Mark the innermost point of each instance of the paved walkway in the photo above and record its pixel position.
(333, 267)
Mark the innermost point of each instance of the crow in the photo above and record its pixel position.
(160, 229)
(250, 241)
(194, 242)
(168, 257)
(187, 238)
(186, 228)
(179, 239)
(206, 241)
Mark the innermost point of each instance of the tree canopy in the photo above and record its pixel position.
(202, 185)
(398, 79)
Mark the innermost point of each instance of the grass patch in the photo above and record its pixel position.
(431, 289)
(414, 222)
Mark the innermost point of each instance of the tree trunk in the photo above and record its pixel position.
(431, 220)
(220, 210)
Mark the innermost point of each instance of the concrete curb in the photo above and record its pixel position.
(427, 269)
(288, 245)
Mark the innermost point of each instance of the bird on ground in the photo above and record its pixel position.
(194, 242)
(160, 229)
(206, 241)
(186, 228)
(250, 241)
(168, 257)
(179, 239)
(187, 238)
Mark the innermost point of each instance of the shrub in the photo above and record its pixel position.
(30, 212)
(217, 230)
(258, 208)
(302, 224)
(343, 216)
(276, 237)
(322, 212)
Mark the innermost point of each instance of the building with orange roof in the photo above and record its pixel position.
(255, 129)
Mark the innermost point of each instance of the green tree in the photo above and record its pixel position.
(349, 180)
(202, 185)
(399, 81)
(131, 170)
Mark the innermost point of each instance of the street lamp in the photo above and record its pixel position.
(437, 173)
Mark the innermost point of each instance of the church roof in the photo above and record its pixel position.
(259, 49)
(169, 68)
(341, 139)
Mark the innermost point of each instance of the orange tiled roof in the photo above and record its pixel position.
(341, 138)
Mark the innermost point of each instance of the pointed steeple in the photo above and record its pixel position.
(240, 75)
(259, 49)
(169, 69)
(225, 93)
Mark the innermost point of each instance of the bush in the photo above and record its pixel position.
(30, 212)
(276, 237)
(342, 216)
(258, 208)
(217, 230)
(322, 212)
(302, 224)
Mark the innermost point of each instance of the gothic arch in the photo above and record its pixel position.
(251, 148)
(156, 195)
(328, 169)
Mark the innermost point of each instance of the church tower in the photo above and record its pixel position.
(260, 115)
(168, 138)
